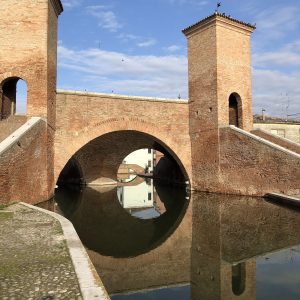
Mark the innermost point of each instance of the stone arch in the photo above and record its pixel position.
(235, 110)
(64, 151)
(8, 96)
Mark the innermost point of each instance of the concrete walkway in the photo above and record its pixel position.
(35, 261)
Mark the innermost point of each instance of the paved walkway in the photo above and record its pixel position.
(34, 259)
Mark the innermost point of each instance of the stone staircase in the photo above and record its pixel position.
(11, 124)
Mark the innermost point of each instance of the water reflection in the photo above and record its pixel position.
(141, 200)
(215, 247)
(108, 229)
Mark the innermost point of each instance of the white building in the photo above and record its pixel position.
(144, 158)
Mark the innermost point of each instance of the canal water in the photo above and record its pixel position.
(149, 241)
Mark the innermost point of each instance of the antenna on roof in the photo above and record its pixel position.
(218, 6)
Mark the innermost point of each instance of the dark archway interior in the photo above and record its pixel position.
(71, 174)
(233, 111)
(97, 162)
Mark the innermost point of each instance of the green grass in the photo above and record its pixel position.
(3, 206)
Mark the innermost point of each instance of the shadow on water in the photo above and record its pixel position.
(106, 228)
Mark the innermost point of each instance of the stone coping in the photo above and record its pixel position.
(124, 97)
(90, 284)
(285, 199)
(276, 136)
(16, 135)
(264, 141)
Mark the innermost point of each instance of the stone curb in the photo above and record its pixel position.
(285, 199)
(90, 284)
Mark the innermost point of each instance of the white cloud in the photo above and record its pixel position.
(146, 75)
(272, 90)
(71, 3)
(274, 22)
(107, 19)
(139, 41)
(286, 56)
(173, 48)
(147, 43)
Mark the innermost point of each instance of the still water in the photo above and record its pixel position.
(149, 241)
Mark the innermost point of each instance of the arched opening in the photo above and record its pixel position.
(139, 214)
(238, 279)
(13, 97)
(235, 111)
(71, 174)
(101, 158)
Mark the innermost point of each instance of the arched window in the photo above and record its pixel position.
(21, 97)
(13, 97)
(235, 110)
(238, 279)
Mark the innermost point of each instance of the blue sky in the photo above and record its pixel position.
(136, 47)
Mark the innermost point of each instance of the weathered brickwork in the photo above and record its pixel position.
(23, 171)
(8, 126)
(111, 127)
(283, 142)
(28, 42)
(250, 167)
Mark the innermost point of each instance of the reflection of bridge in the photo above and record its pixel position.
(94, 132)
(239, 231)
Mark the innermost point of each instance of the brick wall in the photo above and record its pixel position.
(8, 126)
(283, 142)
(95, 122)
(23, 172)
(250, 167)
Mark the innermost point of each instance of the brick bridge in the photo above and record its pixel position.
(208, 136)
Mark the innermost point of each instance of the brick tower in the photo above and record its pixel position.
(28, 51)
(219, 89)
(28, 39)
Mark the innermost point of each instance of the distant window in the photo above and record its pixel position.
(149, 163)
(149, 196)
(149, 151)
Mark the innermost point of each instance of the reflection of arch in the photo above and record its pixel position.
(238, 278)
(157, 138)
(235, 110)
(8, 96)
(93, 211)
